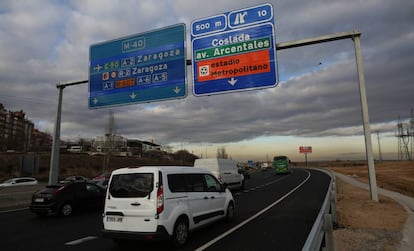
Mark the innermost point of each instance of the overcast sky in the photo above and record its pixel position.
(316, 102)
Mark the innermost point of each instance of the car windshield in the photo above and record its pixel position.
(131, 185)
(280, 158)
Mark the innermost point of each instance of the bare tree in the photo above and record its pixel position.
(221, 153)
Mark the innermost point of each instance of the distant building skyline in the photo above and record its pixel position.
(18, 133)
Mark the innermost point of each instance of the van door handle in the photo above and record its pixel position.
(135, 204)
(226, 173)
(206, 198)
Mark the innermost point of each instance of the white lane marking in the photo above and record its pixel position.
(79, 241)
(228, 232)
(257, 187)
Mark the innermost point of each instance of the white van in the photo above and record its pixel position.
(75, 149)
(225, 170)
(163, 202)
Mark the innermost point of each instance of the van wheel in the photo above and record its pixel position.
(66, 209)
(230, 212)
(180, 233)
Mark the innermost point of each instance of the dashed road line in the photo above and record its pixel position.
(79, 241)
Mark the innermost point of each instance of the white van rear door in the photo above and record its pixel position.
(132, 202)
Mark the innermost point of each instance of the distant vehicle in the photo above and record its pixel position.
(75, 149)
(163, 203)
(102, 183)
(103, 176)
(76, 178)
(22, 181)
(67, 197)
(251, 163)
(281, 164)
(225, 170)
(102, 180)
(243, 170)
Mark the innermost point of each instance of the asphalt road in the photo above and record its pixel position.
(273, 212)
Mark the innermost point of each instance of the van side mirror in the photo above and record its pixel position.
(223, 187)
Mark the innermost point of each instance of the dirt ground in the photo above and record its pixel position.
(362, 223)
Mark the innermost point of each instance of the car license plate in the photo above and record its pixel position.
(113, 219)
(39, 200)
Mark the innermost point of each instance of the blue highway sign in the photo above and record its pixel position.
(234, 51)
(145, 67)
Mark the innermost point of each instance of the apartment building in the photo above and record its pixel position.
(17, 133)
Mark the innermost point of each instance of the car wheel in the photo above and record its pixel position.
(230, 212)
(242, 186)
(66, 209)
(180, 233)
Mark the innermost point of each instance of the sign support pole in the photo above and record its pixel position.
(365, 118)
(306, 160)
(355, 36)
(54, 156)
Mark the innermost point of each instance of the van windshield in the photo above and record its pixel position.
(131, 185)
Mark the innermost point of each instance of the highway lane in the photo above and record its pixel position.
(285, 225)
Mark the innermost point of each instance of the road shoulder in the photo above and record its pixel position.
(368, 225)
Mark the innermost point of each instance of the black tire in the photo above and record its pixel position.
(180, 233)
(66, 209)
(230, 212)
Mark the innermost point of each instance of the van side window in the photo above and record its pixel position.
(195, 182)
(176, 183)
(192, 183)
(132, 185)
(212, 183)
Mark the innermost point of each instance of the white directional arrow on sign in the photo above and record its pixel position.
(232, 81)
(95, 101)
(133, 96)
(176, 90)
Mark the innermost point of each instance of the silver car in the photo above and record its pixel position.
(22, 181)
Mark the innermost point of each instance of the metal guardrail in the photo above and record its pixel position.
(321, 234)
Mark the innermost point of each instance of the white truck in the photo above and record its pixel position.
(225, 170)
